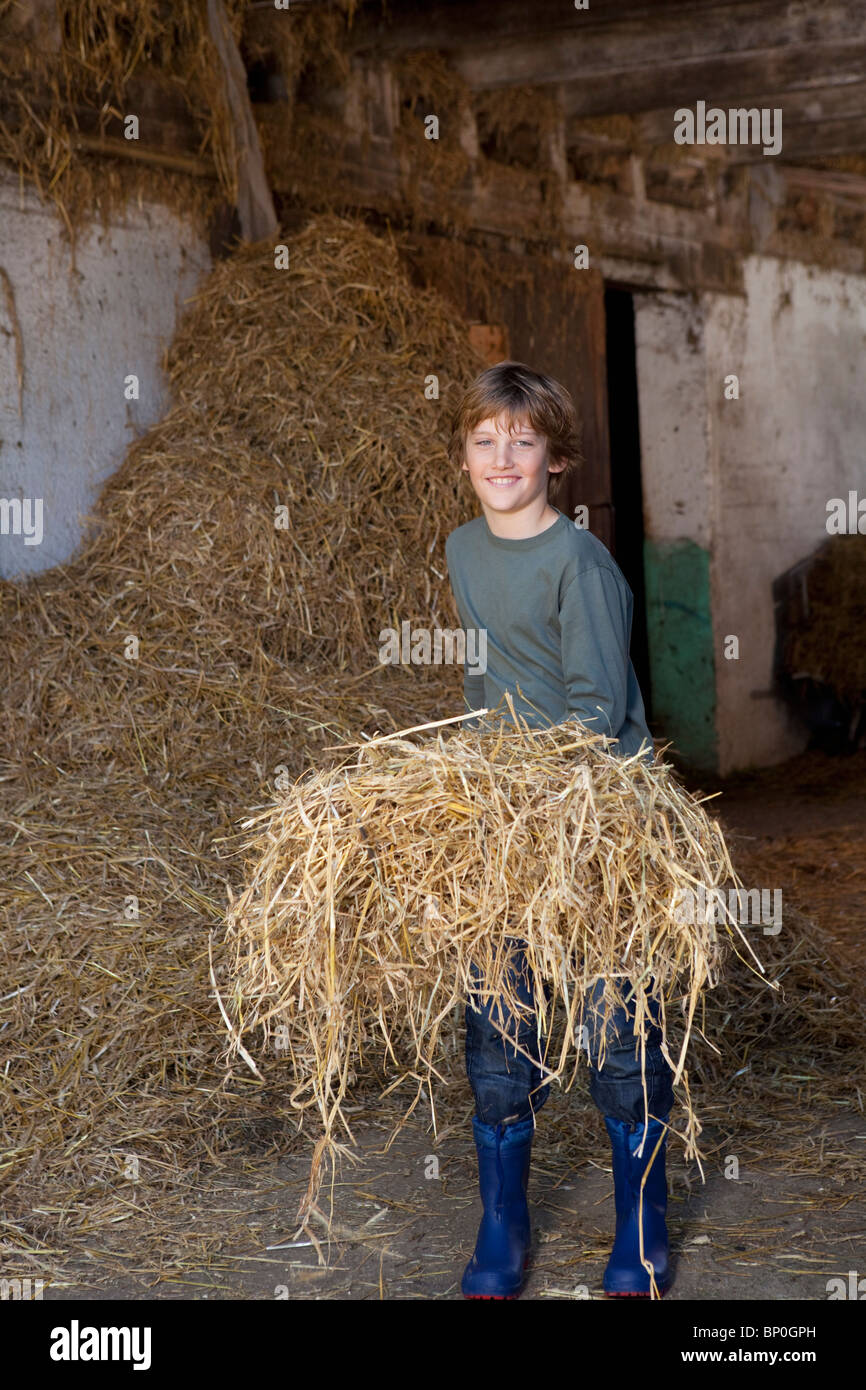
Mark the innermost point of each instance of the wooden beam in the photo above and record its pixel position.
(170, 141)
(834, 182)
(722, 80)
(813, 107)
(132, 149)
(166, 124)
(502, 42)
(255, 204)
(451, 24)
(813, 141)
(688, 247)
(815, 123)
(636, 58)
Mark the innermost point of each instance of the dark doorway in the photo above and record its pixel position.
(537, 311)
(626, 490)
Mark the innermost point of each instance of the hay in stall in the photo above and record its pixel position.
(123, 775)
(374, 885)
(826, 644)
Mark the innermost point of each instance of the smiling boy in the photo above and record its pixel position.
(557, 613)
(556, 606)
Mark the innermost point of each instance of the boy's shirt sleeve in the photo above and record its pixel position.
(594, 624)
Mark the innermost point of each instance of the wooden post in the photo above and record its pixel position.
(256, 210)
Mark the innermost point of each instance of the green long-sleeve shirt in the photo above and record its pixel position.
(557, 613)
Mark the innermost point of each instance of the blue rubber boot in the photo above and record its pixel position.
(496, 1269)
(625, 1276)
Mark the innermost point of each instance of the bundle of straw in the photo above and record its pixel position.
(376, 885)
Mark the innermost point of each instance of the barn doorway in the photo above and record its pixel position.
(626, 487)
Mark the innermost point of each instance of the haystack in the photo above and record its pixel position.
(376, 885)
(820, 644)
(219, 628)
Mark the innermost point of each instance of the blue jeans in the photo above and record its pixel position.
(509, 1087)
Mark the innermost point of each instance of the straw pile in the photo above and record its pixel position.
(121, 777)
(374, 886)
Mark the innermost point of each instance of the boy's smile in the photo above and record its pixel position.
(508, 470)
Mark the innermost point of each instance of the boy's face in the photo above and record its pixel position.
(508, 470)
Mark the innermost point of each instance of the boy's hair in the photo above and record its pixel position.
(515, 391)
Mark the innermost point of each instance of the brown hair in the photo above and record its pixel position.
(515, 391)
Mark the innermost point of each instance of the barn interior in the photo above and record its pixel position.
(452, 184)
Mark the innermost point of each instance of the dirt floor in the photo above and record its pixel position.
(405, 1218)
(401, 1235)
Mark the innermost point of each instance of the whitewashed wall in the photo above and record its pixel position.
(747, 480)
(794, 439)
(83, 329)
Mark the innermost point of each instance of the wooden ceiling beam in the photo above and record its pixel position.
(503, 42)
(451, 24)
(725, 80)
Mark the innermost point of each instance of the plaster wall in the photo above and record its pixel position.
(795, 439)
(73, 329)
(736, 487)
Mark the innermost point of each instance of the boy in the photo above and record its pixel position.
(557, 613)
